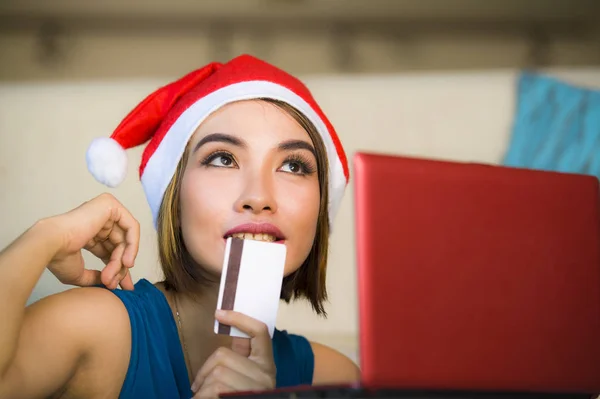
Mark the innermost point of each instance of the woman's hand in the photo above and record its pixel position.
(105, 228)
(247, 366)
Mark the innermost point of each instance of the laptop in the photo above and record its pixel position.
(474, 281)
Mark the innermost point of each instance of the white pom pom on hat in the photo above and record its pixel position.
(107, 161)
(168, 117)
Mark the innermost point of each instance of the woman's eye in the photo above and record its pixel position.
(222, 161)
(292, 167)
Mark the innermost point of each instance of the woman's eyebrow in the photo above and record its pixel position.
(220, 137)
(297, 145)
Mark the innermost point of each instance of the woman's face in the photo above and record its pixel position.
(251, 172)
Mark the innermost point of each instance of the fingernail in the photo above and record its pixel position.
(194, 387)
(221, 313)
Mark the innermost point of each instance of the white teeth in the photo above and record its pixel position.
(255, 237)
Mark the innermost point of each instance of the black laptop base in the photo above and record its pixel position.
(349, 392)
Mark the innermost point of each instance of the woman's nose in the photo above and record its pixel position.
(257, 197)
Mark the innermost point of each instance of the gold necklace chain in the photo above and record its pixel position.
(186, 354)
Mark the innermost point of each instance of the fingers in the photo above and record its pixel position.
(226, 358)
(97, 212)
(232, 368)
(114, 271)
(131, 229)
(260, 339)
(89, 278)
(103, 245)
(99, 250)
(104, 250)
(127, 283)
(220, 357)
(114, 224)
(241, 346)
(222, 380)
(122, 278)
(107, 228)
(213, 390)
(117, 241)
(124, 229)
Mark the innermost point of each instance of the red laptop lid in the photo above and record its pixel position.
(477, 277)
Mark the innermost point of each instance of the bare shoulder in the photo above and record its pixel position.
(81, 313)
(70, 342)
(333, 367)
(82, 301)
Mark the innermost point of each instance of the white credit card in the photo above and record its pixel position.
(251, 282)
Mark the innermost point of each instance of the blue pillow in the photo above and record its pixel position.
(556, 127)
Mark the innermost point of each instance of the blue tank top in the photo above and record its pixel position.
(157, 367)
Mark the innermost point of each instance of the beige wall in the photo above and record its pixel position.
(45, 129)
(83, 55)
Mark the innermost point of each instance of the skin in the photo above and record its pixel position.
(77, 343)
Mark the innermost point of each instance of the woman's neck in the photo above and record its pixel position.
(195, 318)
(198, 306)
(202, 301)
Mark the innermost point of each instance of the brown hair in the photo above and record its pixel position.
(183, 274)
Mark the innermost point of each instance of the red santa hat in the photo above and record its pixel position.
(168, 118)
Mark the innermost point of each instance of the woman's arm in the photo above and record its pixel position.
(332, 367)
(77, 341)
(21, 265)
(43, 347)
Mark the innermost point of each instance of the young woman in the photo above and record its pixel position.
(240, 149)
